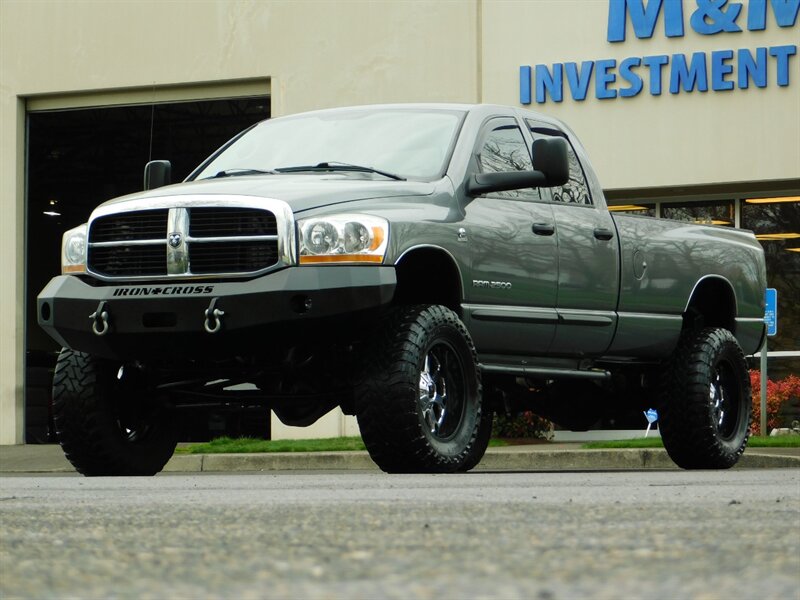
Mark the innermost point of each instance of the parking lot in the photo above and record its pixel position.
(599, 534)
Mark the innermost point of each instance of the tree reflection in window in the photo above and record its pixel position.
(575, 191)
(503, 150)
(704, 213)
(776, 224)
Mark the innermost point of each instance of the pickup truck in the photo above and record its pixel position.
(419, 266)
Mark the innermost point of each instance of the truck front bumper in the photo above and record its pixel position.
(188, 318)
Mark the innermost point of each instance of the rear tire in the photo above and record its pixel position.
(420, 406)
(104, 423)
(706, 401)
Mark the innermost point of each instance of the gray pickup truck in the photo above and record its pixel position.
(419, 266)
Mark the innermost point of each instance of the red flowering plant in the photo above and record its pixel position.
(522, 425)
(780, 395)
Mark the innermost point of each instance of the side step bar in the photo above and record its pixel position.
(547, 373)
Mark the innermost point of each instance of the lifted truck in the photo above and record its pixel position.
(419, 266)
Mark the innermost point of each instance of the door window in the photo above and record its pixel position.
(576, 190)
(504, 149)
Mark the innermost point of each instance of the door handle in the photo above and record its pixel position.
(543, 228)
(603, 234)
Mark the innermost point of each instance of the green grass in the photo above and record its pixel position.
(786, 441)
(226, 445)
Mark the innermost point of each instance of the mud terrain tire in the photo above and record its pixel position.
(420, 406)
(706, 401)
(103, 424)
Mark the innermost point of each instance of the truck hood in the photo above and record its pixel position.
(301, 191)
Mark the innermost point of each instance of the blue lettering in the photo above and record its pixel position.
(579, 82)
(688, 77)
(785, 12)
(547, 82)
(782, 54)
(644, 18)
(626, 72)
(709, 18)
(525, 85)
(752, 69)
(720, 68)
(655, 64)
(603, 78)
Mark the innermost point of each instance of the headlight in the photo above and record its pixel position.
(73, 251)
(343, 239)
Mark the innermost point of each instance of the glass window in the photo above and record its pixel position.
(576, 190)
(412, 143)
(504, 149)
(777, 227)
(638, 208)
(703, 213)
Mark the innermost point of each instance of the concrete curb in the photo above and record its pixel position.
(538, 460)
(50, 459)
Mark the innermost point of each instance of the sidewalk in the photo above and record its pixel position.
(48, 458)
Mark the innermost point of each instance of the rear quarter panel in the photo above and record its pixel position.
(662, 262)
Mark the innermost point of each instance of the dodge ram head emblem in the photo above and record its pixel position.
(175, 239)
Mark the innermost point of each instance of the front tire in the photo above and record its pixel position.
(706, 403)
(103, 421)
(420, 405)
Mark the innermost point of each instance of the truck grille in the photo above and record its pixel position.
(183, 242)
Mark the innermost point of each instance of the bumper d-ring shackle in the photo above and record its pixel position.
(100, 319)
(214, 316)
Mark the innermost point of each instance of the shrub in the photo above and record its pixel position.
(780, 394)
(522, 425)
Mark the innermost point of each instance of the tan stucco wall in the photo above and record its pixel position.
(316, 54)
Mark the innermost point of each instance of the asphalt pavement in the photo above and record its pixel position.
(543, 535)
(49, 458)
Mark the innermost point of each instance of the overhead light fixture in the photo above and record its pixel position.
(772, 200)
(776, 237)
(51, 213)
(631, 207)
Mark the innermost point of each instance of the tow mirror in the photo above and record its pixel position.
(550, 169)
(550, 159)
(157, 173)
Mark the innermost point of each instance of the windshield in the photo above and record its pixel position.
(409, 143)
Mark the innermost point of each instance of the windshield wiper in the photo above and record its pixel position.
(339, 166)
(240, 171)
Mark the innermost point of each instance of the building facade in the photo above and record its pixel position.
(689, 109)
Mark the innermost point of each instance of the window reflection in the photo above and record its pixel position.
(777, 226)
(643, 210)
(705, 213)
(504, 149)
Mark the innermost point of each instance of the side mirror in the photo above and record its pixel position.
(485, 183)
(550, 159)
(550, 169)
(157, 173)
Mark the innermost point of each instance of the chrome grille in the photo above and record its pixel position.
(142, 225)
(241, 257)
(129, 261)
(213, 222)
(184, 242)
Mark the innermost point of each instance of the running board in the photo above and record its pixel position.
(547, 372)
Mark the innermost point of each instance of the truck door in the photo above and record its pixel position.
(588, 262)
(511, 291)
